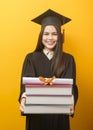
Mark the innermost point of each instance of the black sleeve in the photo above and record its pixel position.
(27, 71)
(75, 88)
(70, 72)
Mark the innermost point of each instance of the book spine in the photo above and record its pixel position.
(47, 109)
(35, 80)
(63, 100)
(48, 91)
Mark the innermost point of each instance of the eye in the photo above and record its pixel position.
(45, 33)
(55, 33)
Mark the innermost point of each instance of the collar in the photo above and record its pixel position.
(49, 54)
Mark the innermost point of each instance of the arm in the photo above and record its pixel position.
(75, 88)
(27, 71)
(70, 72)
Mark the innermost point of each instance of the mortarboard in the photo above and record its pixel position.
(51, 17)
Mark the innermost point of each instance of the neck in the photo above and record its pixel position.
(48, 50)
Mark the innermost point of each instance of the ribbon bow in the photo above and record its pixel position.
(47, 81)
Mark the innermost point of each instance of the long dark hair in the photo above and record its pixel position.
(57, 64)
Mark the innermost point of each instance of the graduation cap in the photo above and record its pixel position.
(51, 17)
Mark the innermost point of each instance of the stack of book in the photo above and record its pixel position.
(41, 98)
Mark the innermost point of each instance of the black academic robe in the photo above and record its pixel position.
(37, 64)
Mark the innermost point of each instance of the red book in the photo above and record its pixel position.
(33, 86)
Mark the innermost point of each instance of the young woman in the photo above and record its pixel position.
(49, 60)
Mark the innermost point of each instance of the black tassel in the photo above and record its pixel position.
(63, 36)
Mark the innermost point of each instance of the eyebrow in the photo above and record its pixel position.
(49, 32)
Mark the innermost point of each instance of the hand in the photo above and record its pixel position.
(23, 100)
(71, 109)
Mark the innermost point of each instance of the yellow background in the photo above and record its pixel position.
(18, 36)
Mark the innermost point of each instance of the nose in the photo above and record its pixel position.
(50, 36)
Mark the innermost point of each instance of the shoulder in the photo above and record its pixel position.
(33, 55)
(68, 57)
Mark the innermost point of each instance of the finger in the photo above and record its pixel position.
(21, 108)
(72, 109)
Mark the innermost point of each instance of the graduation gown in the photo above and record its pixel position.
(37, 64)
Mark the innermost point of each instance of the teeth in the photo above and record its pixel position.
(50, 42)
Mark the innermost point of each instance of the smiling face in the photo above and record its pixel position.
(49, 37)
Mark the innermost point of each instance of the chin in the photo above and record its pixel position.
(51, 47)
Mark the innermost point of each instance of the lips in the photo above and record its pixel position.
(50, 42)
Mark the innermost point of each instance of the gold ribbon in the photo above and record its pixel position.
(47, 81)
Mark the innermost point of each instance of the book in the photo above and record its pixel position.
(36, 80)
(48, 95)
(48, 90)
(49, 99)
(60, 86)
(47, 109)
